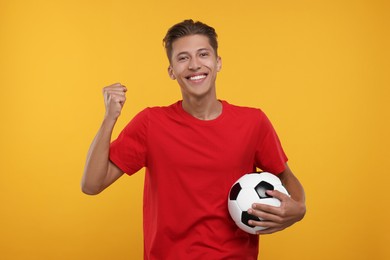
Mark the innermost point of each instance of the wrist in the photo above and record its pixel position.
(108, 124)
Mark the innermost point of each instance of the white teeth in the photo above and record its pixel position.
(197, 77)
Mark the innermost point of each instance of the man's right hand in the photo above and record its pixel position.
(114, 99)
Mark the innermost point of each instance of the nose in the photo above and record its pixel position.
(194, 64)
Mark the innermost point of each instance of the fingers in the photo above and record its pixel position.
(115, 93)
(115, 87)
(266, 213)
(270, 222)
(275, 218)
(115, 90)
(277, 194)
(114, 98)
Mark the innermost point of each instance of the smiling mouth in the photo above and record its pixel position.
(196, 77)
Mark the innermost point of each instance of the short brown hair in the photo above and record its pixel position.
(186, 28)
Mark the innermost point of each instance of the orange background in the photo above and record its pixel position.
(319, 69)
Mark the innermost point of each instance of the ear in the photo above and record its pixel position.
(219, 63)
(170, 73)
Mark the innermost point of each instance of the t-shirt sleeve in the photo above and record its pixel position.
(270, 155)
(128, 151)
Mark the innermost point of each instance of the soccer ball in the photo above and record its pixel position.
(251, 188)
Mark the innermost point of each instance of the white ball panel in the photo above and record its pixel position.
(249, 180)
(246, 198)
(234, 210)
(271, 178)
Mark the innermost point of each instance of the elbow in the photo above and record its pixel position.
(302, 211)
(89, 190)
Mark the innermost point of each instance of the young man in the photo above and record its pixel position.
(193, 151)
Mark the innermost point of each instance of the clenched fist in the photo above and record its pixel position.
(114, 99)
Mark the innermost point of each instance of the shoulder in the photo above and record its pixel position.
(243, 111)
(153, 110)
(161, 109)
(158, 111)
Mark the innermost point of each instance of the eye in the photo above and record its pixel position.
(182, 58)
(204, 54)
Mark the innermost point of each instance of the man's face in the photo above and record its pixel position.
(194, 65)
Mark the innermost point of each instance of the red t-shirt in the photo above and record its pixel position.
(190, 167)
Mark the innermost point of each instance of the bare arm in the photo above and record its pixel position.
(99, 172)
(293, 185)
(291, 210)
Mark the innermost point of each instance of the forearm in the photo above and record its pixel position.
(97, 163)
(99, 172)
(295, 189)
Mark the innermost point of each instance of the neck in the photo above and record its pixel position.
(203, 109)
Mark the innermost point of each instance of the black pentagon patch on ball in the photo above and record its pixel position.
(261, 189)
(234, 191)
(245, 217)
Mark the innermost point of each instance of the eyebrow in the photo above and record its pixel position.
(199, 50)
